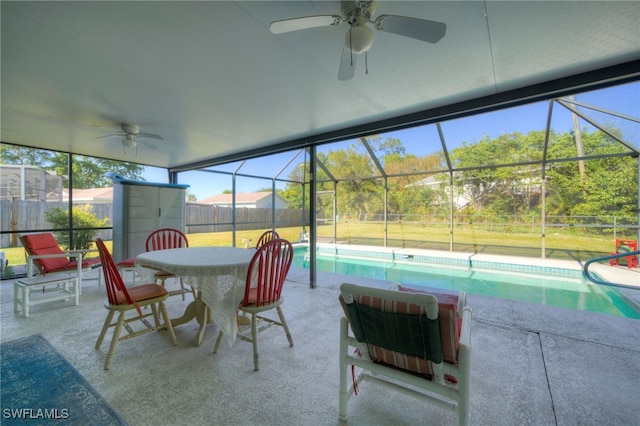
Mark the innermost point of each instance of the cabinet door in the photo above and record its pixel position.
(140, 210)
(171, 208)
(143, 209)
(151, 208)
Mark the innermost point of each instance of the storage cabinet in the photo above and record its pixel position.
(140, 208)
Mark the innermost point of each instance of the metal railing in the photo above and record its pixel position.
(597, 280)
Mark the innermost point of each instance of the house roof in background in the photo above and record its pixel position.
(241, 198)
(104, 195)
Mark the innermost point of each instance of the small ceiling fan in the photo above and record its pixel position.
(359, 37)
(130, 134)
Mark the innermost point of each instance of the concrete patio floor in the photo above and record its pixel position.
(531, 365)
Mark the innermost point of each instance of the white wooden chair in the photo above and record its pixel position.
(123, 301)
(263, 292)
(415, 343)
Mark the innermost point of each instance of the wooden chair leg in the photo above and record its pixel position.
(193, 291)
(114, 340)
(182, 287)
(218, 341)
(185, 290)
(105, 327)
(167, 322)
(284, 325)
(156, 318)
(254, 341)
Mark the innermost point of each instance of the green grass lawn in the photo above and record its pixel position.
(565, 243)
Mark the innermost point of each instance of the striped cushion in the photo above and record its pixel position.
(450, 323)
(449, 330)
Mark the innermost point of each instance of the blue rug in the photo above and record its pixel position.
(38, 386)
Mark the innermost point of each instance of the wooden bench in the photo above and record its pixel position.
(44, 289)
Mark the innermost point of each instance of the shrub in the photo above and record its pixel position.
(83, 218)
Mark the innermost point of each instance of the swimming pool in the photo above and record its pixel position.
(546, 285)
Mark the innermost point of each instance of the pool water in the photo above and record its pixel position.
(561, 291)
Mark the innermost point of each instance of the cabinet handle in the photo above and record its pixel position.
(159, 212)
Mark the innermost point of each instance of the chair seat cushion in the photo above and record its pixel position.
(62, 264)
(129, 262)
(141, 292)
(91, 262)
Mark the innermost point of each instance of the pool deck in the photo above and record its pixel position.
(531, 364)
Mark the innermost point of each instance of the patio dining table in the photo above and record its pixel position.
(217, 273)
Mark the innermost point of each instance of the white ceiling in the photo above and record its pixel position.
(212, 80)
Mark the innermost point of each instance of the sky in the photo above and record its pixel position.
(424, 140)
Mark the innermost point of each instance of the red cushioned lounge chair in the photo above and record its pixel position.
(43, 252)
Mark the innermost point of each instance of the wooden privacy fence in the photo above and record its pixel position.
(204, 218)
(30, 215)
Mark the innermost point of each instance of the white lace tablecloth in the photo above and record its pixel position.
(217, 273)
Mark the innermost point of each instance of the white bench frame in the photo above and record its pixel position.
(32, 269)
(55, 287)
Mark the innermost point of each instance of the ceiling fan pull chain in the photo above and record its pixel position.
(366, 62)
(350, 44)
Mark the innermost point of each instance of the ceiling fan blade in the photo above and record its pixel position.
(347, 64)
(149, 145)
(110, 136)
(150, 136)
(420, 29)
(295, 24)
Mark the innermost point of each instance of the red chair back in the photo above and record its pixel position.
(632, 244)
(39, 244)
(112, 278)
(266, 237)
(270, 266)
(166, 238)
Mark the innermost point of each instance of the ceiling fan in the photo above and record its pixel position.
(359, 37)
(130, 134)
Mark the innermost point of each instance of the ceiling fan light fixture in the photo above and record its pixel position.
(129, 141)
(359, 39)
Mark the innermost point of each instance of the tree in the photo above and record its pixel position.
(88, 172)
(357, 193)
(406, 195)
(293, 190)
(609, 187)
(499, 176)
(500, 189)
